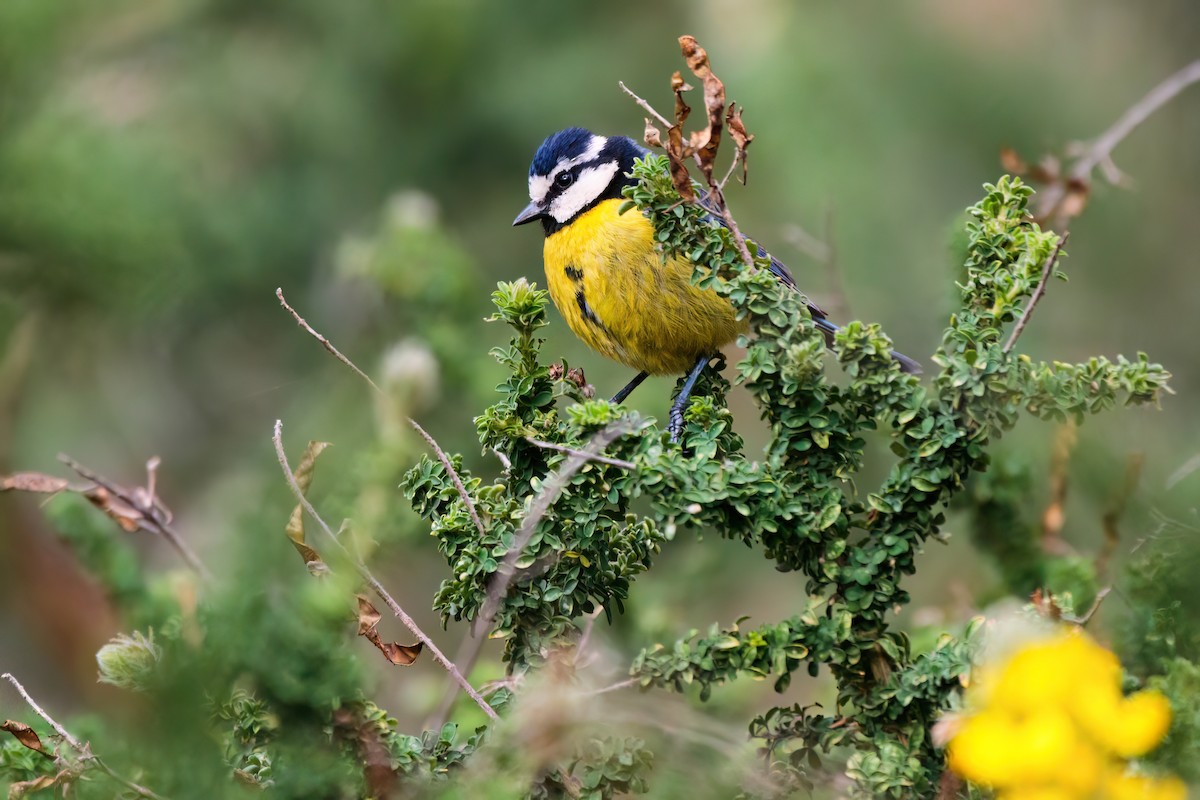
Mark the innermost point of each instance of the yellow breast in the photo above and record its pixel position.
(618, 295)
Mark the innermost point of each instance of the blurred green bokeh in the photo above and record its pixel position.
(164, 166)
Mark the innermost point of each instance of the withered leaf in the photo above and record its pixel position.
(1076, 199)
(22, 788)
(704, 143)
(741, 137)
(682, 109)
(26, 736)
(679, 173)
(32, 482)
(295, 526)
(1011, 162)
(126, 515)
(652, 136)
(403, 655)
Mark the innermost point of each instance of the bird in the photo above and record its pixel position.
(608, 278)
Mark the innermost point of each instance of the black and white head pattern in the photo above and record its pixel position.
(571, 171)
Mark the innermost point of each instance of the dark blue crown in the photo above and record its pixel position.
(564, 144)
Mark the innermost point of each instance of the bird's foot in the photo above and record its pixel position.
(675, 426)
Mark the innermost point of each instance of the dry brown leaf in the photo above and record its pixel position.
(125, 514)
(679, 173)
(704, 143)
(403, 655)
(1075, 201)
(22, 788)
(741, 137)
(652, 136)
(295, 526)
(32, 482)
(1011, 162)
(26, 736)
(682, 109)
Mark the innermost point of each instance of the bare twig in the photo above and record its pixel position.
(458, 484)
(1091, 612)
(615, 462)
(1099, 151)
(1037, 294)
(328, 345)
(144, 509)
(370, 579)
(84, 750)
(551, 489)
(616, 687)
(649, 108)
(59, 729)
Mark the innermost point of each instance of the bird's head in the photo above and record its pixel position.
(572, 171)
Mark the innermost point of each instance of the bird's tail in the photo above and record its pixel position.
(829, 329)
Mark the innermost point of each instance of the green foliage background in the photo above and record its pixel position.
(165, 166)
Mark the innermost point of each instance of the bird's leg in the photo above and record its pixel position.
(628, 388)
(676, 424)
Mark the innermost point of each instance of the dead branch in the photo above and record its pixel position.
(371, 580)
(328, 345)
(615, 462)
(84, 751)
(137, 508)
(1047, 272)
(458, 484)
(551, 489)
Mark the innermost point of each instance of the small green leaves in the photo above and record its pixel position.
(796, 502)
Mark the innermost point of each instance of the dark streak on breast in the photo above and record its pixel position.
(586, 310)
(573, 272)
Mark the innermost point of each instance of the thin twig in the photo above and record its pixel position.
(616, 687)
(458, 484)
(615, 462)
(152, 515)
(1091, 612)
(1037, 294)
(716, 196)
(59, 729)
(84, 751)
(370, 579)
(551, 488)
(328, 345)
(649, 108)
(1099, 151)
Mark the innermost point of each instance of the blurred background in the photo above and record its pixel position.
(165, 165)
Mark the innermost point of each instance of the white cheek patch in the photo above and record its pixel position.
(589, 185)
(539, 185)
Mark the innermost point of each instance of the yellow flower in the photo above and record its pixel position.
(1141, 787)
(1141, 723)
(1037, 793)
(1051, 723)
(980, 750)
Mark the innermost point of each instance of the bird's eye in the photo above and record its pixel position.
(564, 179)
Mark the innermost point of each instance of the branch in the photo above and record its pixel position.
(84, 751)
(370, 579)
(138, 508)
(1099, 152)
(649, 108)
(458, 484)
(328, 345)
(1037, 294)
(552, 487)
(616, 462)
